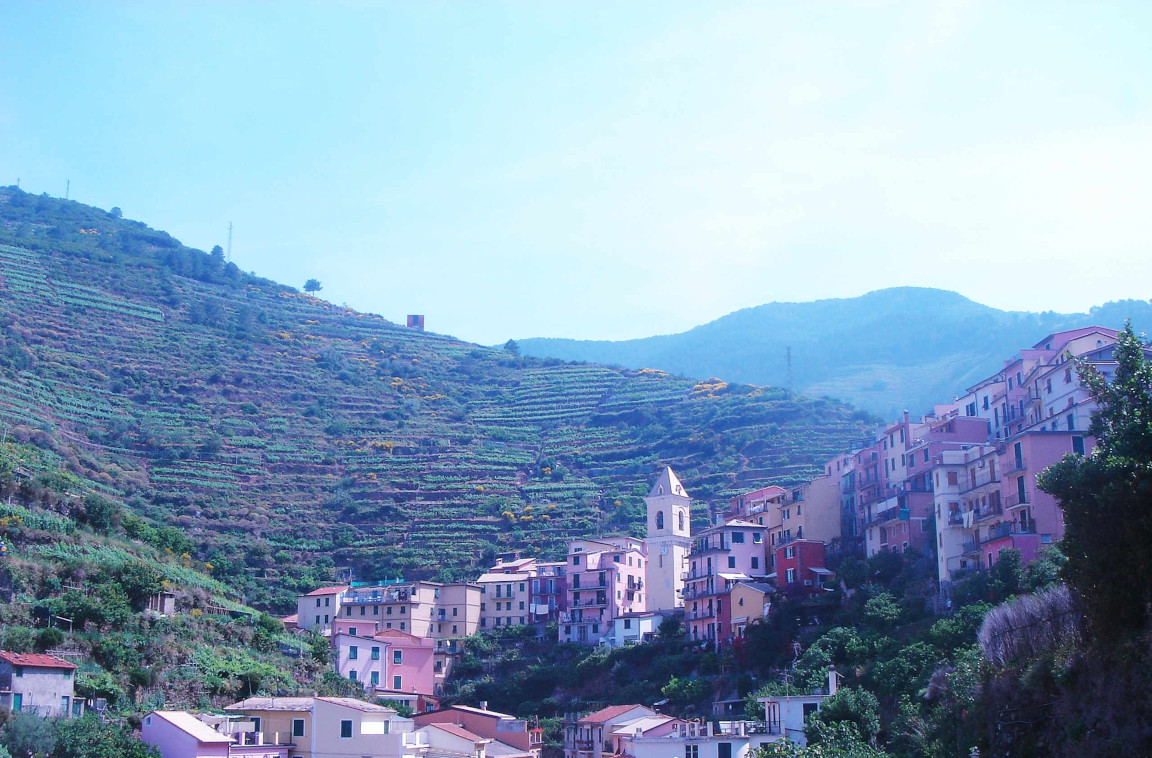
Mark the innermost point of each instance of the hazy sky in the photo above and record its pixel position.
(606, 170)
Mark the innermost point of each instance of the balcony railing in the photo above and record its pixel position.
(988, 511)
(1015, 465)
(1016, 499)
(982, 479)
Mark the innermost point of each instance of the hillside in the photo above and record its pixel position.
(889, 350)
(287, 437)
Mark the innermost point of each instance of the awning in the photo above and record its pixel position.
(821, 571)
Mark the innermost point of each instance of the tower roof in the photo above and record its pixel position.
(667, 484)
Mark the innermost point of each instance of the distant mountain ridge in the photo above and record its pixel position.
(885, 351)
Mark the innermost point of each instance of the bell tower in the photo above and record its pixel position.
(668, 542)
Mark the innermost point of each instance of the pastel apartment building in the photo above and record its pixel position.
(388, 663)
(549, 596)
(179, 734)
(524, 736)
(721, 557)
(331, 727)
(605, 580)
(318, 608)
(1037, 412)
(506, 596)
(591, 736)
(43, 685)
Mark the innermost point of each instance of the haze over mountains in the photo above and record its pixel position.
(886, 351)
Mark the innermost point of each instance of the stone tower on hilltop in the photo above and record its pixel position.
(668, 542)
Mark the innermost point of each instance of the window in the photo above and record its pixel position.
(455, 611)
(397, 657)
(397, 683)
(363, 610)
(790, 552)
(755, 562)
(737, 537)
(483, 606)
(402, 625)
(352, 675)
(521, 586)
(317, 602)
(731, 561)
(575, 560)
(346, 729)
(375, 653)
(297, 727)
(65, 702)
(1078, 445)
(790, 576)
(352, 631)
(627, 623)
(757, 538)
(691, 751)
(353, 652)
(375, 678)
(659, 519)
(521, 605)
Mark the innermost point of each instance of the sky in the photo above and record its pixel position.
(605, 170)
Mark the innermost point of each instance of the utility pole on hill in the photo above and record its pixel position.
(229, 242)
(67, 188)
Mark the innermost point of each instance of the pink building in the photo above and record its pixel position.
(721, 557)
(179, 734)
(390, 664)
(605, 580)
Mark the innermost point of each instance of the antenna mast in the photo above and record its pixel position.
(67, 188)
(229, 241)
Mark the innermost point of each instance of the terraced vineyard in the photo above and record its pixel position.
(280, 431)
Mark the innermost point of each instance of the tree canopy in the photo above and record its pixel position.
(1106, 497)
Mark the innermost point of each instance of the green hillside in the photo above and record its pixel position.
(889, 350)
(286, 436)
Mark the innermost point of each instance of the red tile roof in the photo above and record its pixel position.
(609, 713)
(36, 660)
(327, 591)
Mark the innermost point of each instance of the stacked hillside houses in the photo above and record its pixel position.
(958, 483)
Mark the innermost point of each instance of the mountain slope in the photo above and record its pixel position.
(885, 351)
(287, 437)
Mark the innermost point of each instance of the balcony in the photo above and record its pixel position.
(1015, 465)
(891, 514)
(987, 512)
(982, 479)
(1016, 500)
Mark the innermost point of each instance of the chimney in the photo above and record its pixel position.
(483, 705)
(833, 680)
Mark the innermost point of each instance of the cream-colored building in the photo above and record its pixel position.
(504, 599)
(332, 727)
